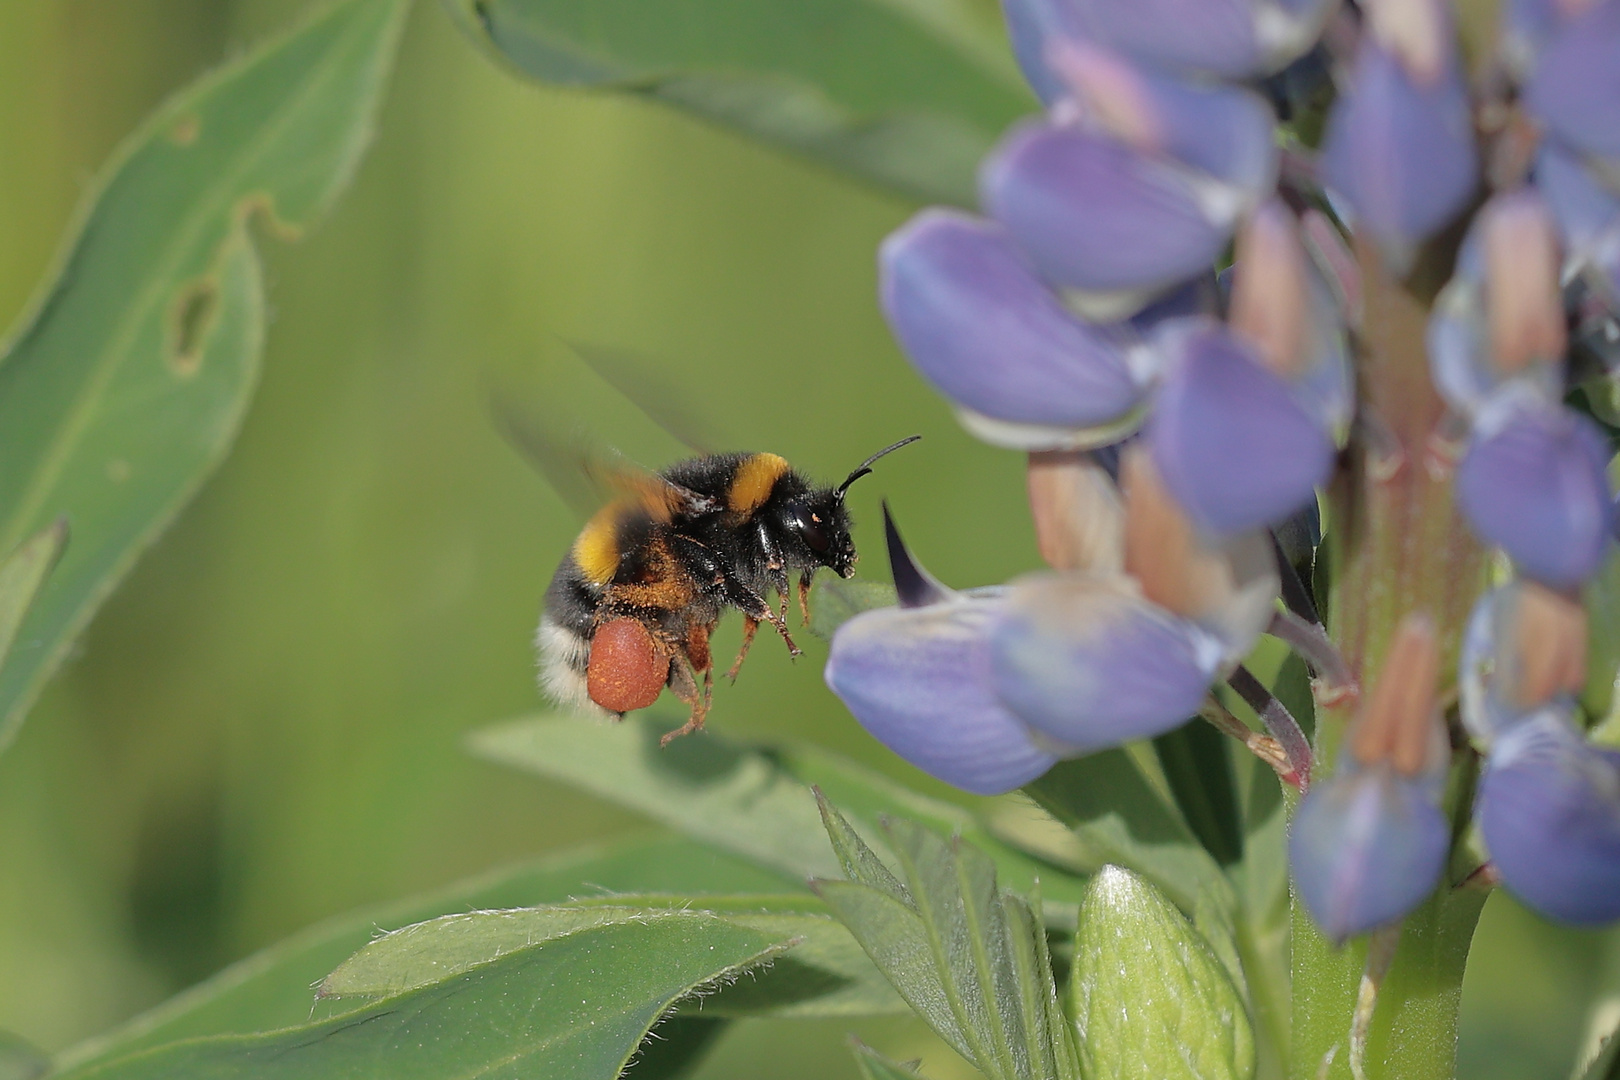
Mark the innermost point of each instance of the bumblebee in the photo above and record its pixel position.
(631, 608)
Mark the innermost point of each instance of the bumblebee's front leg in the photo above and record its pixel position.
(735, 592)
(775, 567)
(804, 595)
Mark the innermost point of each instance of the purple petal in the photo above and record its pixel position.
(1234, 445)
(1094, 214)
(1366, 847)
(1576, 87)
(1549, 809)
(919, 679)
(1402, 154)
(979, 326)
(1033, 25)
(1229, 38)
(1588, 214)
(1089, 663)
(1484, 712)
(1533, 483)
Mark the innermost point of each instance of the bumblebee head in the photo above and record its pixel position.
(820, 521)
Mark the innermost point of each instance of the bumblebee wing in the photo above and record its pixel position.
(646, 383)
(587, 475)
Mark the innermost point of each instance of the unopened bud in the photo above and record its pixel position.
(1269, 302)
(1399, 725)
(1521, 266)
(1079, 519)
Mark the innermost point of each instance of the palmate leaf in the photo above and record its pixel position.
(908, 94)
(753, 801)
(570, 1008)
(273, 988)
(969, 957)
(126, 383)
(825, 974)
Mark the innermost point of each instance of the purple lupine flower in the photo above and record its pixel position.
(1534, 483)
(1575, 89)
(1369, 843)
(979, 325)
(1549, 810)
(1400, 144)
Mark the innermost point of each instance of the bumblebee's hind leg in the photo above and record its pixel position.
(804, 595)
(692, 680)
(750, 628)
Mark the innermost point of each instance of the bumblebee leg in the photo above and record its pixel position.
(750, 626)
(739, 595)
(697, 661)
(804, 595)
(775, 569)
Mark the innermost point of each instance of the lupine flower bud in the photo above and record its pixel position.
(1549, 810)
(1501, 317)
(978, 324)
(1232, 442)
(1368, 844)
(1525, 646)
(1400, 145)
(1094, 214)
(1533, 483)
(918, 678)
(1575, 90)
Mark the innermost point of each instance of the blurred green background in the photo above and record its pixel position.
(263, 726)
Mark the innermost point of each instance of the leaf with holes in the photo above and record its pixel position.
(905, 93)
(126, 383)
(570, 1008)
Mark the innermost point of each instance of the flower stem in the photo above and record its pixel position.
(1398, 545)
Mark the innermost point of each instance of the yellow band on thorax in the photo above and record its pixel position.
(755, 479)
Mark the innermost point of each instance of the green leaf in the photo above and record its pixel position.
(1605, 1064)
(572, 1008)
(1197, 764)
(126, 384)
(753, 801)
(1150, 999)
(968, 956)
(1122, 814)
(273, 988)
(1602, 599)
(824, 975)
(837, 601)
(19, 1060)
(909, 94)
(874, 1066)
(22, 574)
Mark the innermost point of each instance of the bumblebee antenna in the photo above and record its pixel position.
(866, 466)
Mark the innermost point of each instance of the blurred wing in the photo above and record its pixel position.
(585, 474)
(647, 384)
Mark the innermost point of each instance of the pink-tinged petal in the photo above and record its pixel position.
(1223, 131)
(1400, 152)
(1549, 810)
(920, 681)
(1094, 214)
(988, 334)
(1085, 661)
(1232, 442)
(1366, 846)
(1533, 483)
(1576, 87)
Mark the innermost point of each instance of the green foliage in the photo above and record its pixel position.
(19, 1061)
(22, 574)
(752, 801)
(874, 1066)
(272, 989)
(825, 974)
(573, 1007)
(906, 93)
(126, 384)
(970, 957)
(1150, 998)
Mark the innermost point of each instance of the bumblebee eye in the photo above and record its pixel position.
(810, 527)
